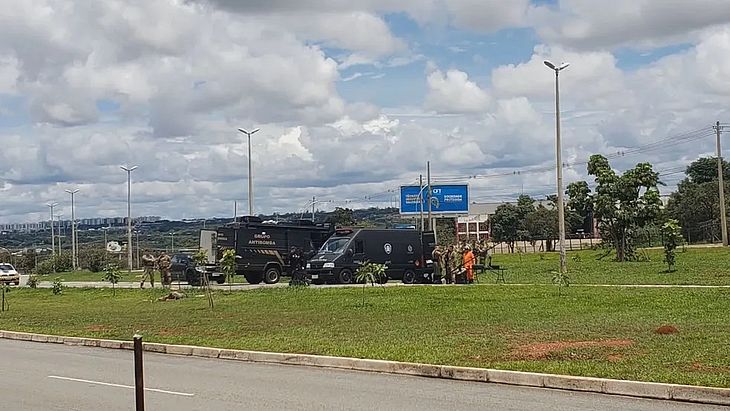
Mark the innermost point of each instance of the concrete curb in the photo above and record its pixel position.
(688, 393)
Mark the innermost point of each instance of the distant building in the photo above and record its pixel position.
(82, 223)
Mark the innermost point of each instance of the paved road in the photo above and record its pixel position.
(55, 377)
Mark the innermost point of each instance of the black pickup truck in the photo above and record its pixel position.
(183, 269)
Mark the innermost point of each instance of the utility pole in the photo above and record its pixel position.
(53, 238)
(235, 210)
(420, 200)
(74, 260)
(428, 178)
(721, 183)
(313, 202)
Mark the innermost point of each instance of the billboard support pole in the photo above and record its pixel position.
(428, 172)
(420, 202)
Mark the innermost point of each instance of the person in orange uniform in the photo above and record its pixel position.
(469, 261)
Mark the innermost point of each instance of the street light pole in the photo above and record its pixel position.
(129, 215)
(559, 163)
(172, 242)
(74, 260)
(53, 239)
(250, 173)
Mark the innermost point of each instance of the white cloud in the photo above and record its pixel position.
(453, 92)
(634, 23)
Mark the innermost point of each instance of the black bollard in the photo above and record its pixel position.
(138, 373)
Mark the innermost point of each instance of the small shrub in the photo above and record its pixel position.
(57, 286)
(113, 275)
(33, 281)
(369, 273)
(45, 267)
(672, 236)
(561, 280)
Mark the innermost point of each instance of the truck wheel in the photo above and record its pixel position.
(344, 277)
(409, 277)
(383, 279)
(272, 275)
(253, 278)
(221, 279)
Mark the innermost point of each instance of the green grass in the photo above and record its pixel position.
(700, 266)
(482, 326)
(89, 276)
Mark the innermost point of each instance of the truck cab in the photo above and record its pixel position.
(405, 253)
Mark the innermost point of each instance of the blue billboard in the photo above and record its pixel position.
(445, 199)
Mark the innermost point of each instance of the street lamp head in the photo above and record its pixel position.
(549, 64)
(246, 132)
(128, 168)
(554, 67)
(52, 204)
(563, 65)
(72, 191)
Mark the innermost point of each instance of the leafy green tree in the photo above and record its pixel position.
(624, 203)
(697, 200)
(342, 217)
(506, 224)
(446, 231)
(704, 170)
(542, 224)
(672, 237)
(113, 275)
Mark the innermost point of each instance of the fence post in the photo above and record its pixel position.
(138, 373)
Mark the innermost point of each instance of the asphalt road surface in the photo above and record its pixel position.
(56, 377)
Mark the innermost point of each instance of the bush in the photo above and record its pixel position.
(57, 286)
(44, 267)
(94, 260)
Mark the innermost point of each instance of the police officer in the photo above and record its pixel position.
(164, 264)
(296, 265)
(148, 262)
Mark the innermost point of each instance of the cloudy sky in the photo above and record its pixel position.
(352, 98)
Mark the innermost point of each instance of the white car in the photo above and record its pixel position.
(8, 274)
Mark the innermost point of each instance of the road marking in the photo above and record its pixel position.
(108, 384)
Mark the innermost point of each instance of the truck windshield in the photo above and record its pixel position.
(335, 245)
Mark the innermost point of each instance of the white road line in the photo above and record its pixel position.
(108, 384)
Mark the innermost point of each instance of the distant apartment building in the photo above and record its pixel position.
(82, 223)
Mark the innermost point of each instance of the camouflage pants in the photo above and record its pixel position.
(165, 277)
(149, 272)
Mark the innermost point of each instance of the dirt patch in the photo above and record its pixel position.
(696, 366)
(666, 330)
(614, 357)
(170, 332)
(548, 350)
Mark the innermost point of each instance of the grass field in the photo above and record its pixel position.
(587, 331)
(700, 266)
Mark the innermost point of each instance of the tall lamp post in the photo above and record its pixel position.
(172, 242)
(74, 252)
(250, 174)
(53, 239)
(559, 162)
(129, 215)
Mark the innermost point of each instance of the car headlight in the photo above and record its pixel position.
(308, 266)
(329, 265)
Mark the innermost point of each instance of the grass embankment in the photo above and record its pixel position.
(136, 276)
(699, 266)
(590, 331)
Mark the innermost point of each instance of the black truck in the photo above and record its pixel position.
(262, 248)
(405, 253)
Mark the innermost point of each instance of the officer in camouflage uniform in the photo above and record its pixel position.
(164, 264)
(148, 262)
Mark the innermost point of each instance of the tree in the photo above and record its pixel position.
(672, 236)
(446, 230)
(341, 217)
(113, 275)
(704, 170)
(370, 273)
(228, 265)
(506, 224)
(200, 258)
(696, 202)
(542, 224)
(623, 203)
